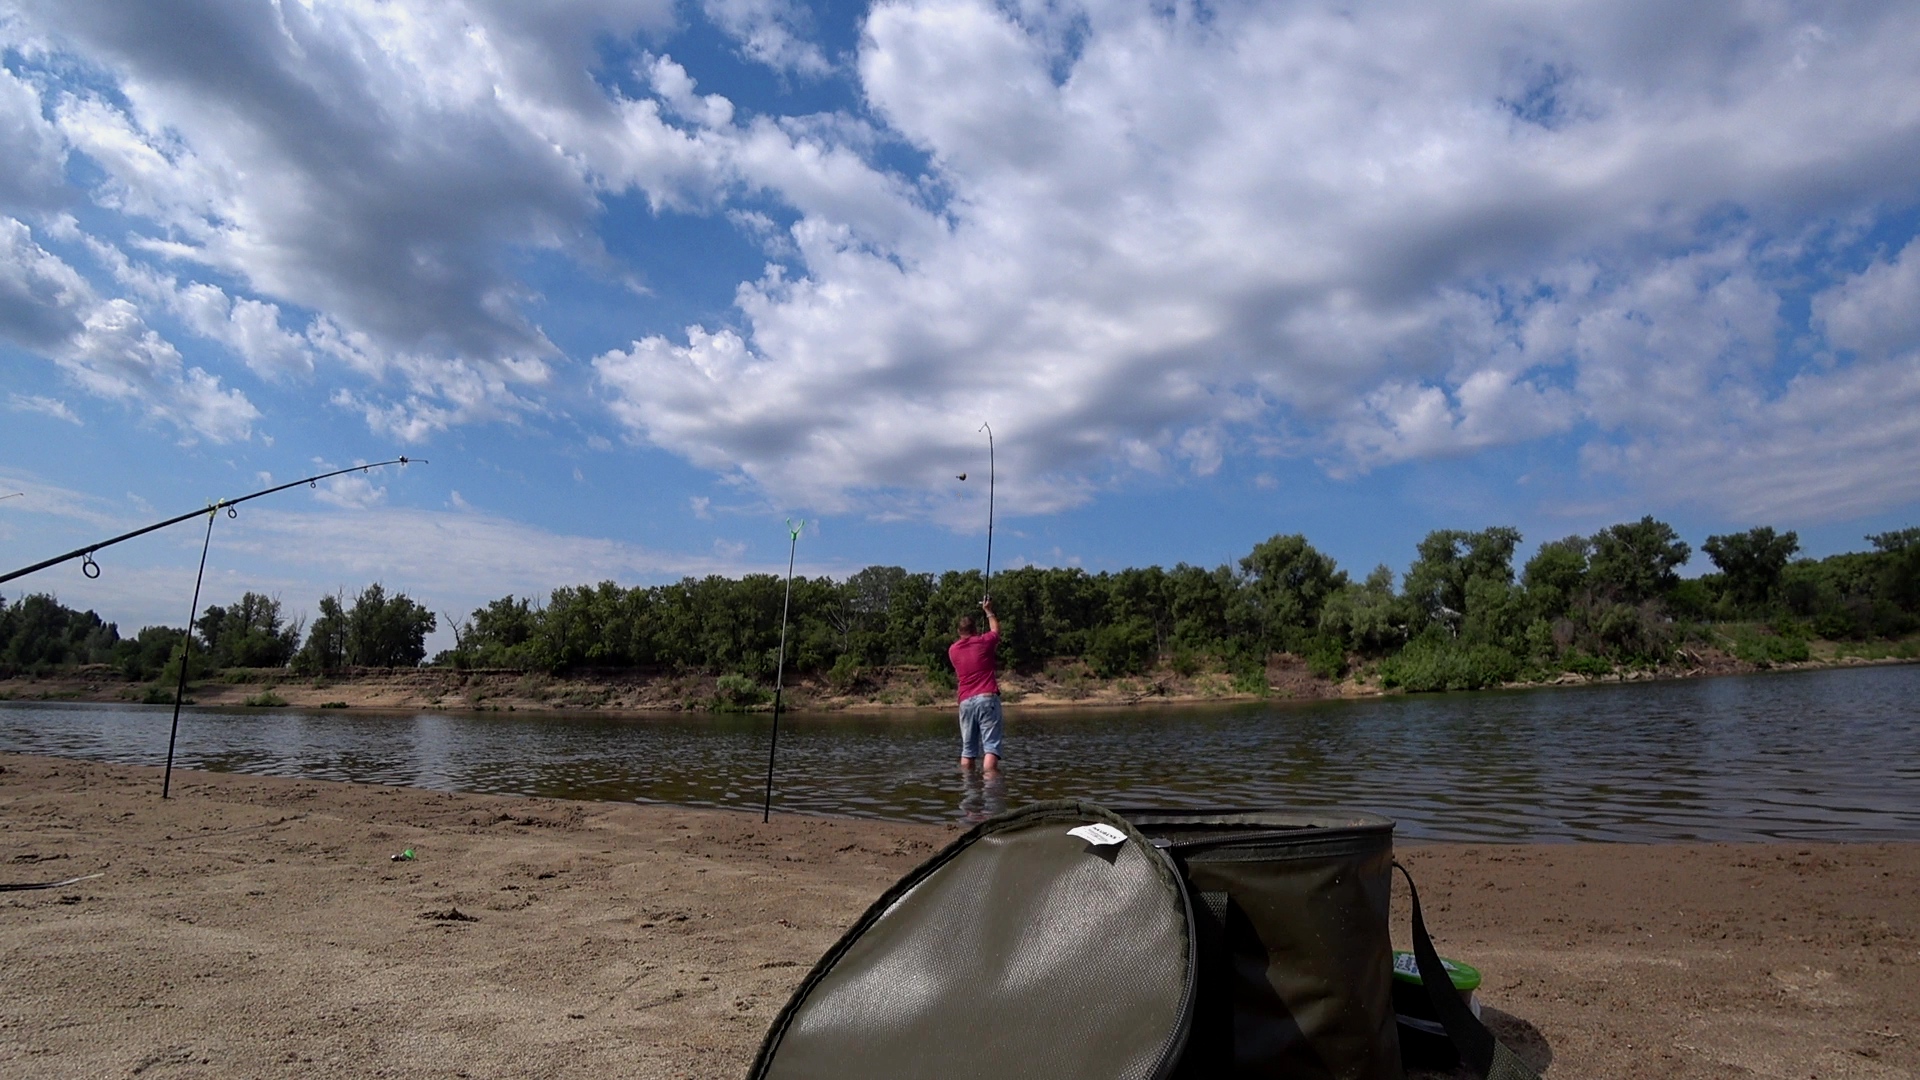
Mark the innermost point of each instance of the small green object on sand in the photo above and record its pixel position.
(405, 856)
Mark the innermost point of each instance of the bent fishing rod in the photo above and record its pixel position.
(987, 585)
(987, 578)
(92, 569)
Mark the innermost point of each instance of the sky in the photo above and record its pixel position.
(636, 282)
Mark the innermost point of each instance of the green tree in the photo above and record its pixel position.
(1366, 617)
(865, 612)
(1898, 584)
(1203, 604)
(1557, 574)
(1751, 563)
(40, 632)
(248, 634)
(326, 645)
(1126, 647)
(1286, 581)
(1450, 558)
(381, 630)
(1636, 561)
(142, 657)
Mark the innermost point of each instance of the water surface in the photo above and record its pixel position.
(1822, 755)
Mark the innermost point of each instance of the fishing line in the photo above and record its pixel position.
(92, 569)
(780, 671)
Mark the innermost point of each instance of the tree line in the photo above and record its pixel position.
(39, 634)
(1462, 615)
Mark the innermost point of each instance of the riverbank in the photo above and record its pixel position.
(1060, 686)
(257, 927)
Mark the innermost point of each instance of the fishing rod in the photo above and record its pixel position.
(780, 671)
(988, 586)
(14, 495)
(92, 569)
(987, 580)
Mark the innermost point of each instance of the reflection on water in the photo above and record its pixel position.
(982, 794)
(1811, 755)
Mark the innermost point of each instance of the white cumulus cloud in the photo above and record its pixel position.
(1365, 235)
(105, 347)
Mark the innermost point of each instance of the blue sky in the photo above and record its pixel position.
(641, 280)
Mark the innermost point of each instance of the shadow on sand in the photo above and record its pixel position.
(1521, 1037)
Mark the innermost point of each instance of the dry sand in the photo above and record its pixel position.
(256, 927)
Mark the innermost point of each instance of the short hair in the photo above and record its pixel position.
(966, 624)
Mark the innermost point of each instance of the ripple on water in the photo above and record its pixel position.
(1826, 755)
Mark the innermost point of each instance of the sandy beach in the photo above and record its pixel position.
(258, 927)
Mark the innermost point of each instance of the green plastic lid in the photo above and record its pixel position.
(1406, 969)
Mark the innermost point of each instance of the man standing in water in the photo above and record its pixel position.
(973, 667)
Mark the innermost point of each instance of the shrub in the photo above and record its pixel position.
(1326, 658)
(1123, 648)
(1767, 649)
(265, 699)
(1434, 661)
(846, 675)
(738, 693)
(1582, 664)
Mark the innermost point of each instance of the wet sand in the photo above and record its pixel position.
(257, 927)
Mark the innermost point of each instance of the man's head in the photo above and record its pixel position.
(967, 626)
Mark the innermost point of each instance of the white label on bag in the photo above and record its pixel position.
(1099, 835)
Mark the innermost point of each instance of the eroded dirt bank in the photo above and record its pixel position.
(1064, 685)
(257, 927)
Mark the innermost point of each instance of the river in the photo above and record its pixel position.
(1815, 755)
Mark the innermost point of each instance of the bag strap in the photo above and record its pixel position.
(1483, 1053)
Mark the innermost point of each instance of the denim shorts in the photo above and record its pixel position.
(980, 720)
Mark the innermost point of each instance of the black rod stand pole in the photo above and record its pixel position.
(186, 653)
(780, 671)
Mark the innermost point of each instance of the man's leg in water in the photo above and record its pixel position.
(969, 736)
(990, 721)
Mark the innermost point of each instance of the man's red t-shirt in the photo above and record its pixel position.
(973, 663)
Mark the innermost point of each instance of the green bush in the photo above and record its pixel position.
(1767, 649)
(1123, 648)
(1583, 664)
(1249, 677)
(1326, 658)
(846, 675)
(1435, 662)
(738, 693)
(265, 699)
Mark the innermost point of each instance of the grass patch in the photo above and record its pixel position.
(1908, 649)
(265, 699)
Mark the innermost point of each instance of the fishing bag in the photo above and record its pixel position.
(1063, 941)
